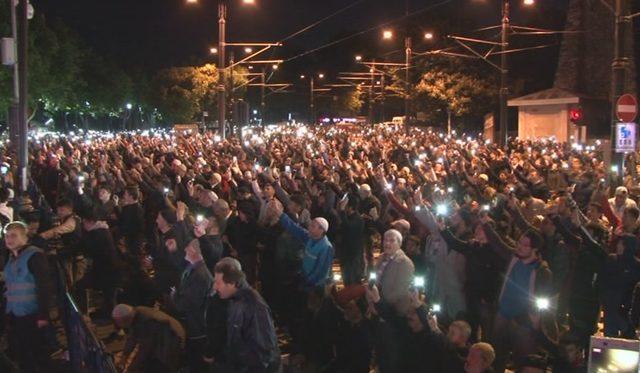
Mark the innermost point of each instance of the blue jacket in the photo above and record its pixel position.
(318, 254)
(21, 293)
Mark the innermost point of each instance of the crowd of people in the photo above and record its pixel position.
(362, 248)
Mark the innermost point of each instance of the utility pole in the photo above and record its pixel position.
(23, 156)
(222, 25)
(263, 104)
(504, 75)
(382, 98)
(620, 69)
(311, 107)
(407, 62)
(372, 82)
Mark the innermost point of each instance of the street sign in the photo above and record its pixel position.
(627, 108)
(625, 137)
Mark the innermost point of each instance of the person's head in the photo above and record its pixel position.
(297, 204)
(247, 211)
(621, 195)
(352, 204)
(15, 235)
(528, 245)
(392, 241)
(207, 197)
(64, 208)
(318, 228)
(104, 194)
(459, 333)
(131, 195)
(192, 253)
(33, 224)
(480, 358)
(630, 217)
(269, 191)
(402, 226)
(364, 191)
(4, 195)
(594, 212)
(228, 277)
(165, 219)
(461, 220)
(123, 315)
(221, 209)
(571, 349)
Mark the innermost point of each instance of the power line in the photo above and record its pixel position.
(427, 8)
(322, 20)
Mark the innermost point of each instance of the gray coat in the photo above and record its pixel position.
(191, 296)
(395, 281)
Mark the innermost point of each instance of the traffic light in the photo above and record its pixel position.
(576, 116)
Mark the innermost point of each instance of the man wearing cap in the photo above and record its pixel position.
(318, 251)
(621, 201)
(27, 280)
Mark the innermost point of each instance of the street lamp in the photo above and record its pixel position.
(387, 34)
(222, 28)
(213, 50)
(321, 76)
(248, 50)
(274, 66)
(428, 35)
(358, 58)
(407, 65)
(529, 2)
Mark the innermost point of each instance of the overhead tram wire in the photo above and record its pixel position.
(425, 9)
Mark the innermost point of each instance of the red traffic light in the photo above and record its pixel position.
(575, 115)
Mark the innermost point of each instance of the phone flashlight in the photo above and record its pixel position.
(372, 279)
(542, 303)
(81, 179)
(486, 207)
(166, 190)
(4, 170)
(337, 277)
(287, 169)
(602, 180)
(436, 308)
(418, 163)
(418, 282)
(442, 210)
(614, 169)
(256, 166)
(450, 189)
(417, 208)
(199, 218)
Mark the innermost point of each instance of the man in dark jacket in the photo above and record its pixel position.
(106, 271)
(251, 345)
(190, 300)
(620, 275)
(131, 221)
(155, 340)
(352, 233)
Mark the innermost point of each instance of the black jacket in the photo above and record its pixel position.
(251, 338)
(131, 224)
(190, 298)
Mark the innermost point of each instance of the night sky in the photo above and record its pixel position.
(158, 33)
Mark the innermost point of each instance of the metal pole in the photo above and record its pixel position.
(23, 89)
(448, 121)
(382, 98)
(372, 77)
(504, 75)
(407, 85)
(13, 125)
(620, 73)
(263, 104)
(313, 114)
(222, 23)
(234, 114)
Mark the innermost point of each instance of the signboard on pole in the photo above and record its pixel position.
(625, 137)
(627, 108)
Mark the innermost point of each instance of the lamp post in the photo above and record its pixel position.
(312, 89)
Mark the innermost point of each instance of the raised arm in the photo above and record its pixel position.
(496, 242)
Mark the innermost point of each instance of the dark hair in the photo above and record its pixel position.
(4, 195)
(133, 191)
(299, 200)
(231, 274)
(633, 211)
(64, 202)
(537, 242)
